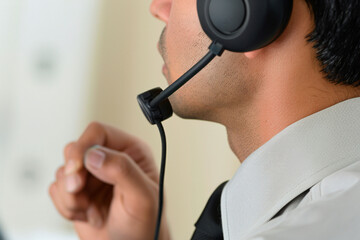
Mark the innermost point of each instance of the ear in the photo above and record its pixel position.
(252, 54)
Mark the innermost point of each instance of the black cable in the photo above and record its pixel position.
(215, 49)
(161, 181)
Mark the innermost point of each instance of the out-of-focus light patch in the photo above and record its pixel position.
(47, 49)
(40, 235)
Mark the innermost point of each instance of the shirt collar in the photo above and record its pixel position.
(288, 164)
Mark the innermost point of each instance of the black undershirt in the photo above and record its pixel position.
(208, 226)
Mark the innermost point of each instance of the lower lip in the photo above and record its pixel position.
(164, 69)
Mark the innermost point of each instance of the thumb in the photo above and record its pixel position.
(117, 169)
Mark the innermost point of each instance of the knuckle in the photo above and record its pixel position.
(72, 204)
(72, 217)
(124, 164)
(75, 203)
(68, 215)
(95, 126)
(60, 173)
(68, 148)
(121, 166)
(52, 189)
(73, 207)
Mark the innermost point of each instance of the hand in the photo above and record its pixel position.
(108, 186)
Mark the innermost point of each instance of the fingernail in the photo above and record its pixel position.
(95, 158)
(94, 217)
(72, 183)
(71, 167)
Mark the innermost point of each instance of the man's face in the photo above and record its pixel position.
(220, 85)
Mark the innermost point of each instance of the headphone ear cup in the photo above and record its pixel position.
(244, 25)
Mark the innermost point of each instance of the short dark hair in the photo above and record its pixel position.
(336, 39)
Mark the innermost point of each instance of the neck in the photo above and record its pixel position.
(276, 107)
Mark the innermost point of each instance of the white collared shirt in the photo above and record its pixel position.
(307, 176)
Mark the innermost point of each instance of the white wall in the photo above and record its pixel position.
(45, 85)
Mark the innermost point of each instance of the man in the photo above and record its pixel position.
(291, 110)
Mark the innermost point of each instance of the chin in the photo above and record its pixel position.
(188, 111)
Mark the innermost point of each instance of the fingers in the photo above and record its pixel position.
(76, 192)
(75, 207)
(105, 135)
(118, 169)
(74, 202)
(74, 211)
(95, 134)
(73, 171)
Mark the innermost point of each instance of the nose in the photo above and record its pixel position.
(161, 9)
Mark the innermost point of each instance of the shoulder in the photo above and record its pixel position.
(330, 210)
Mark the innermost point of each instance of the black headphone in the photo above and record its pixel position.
(233, 25)
(244, 25)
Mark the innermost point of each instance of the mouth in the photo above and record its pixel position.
(164, 68)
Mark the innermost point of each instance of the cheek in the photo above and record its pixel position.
(183, 18)
(184, 40)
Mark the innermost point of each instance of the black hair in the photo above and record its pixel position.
(336, 39)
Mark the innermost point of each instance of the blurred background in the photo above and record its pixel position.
(66, 63)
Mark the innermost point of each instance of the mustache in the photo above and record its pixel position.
(162, 47)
